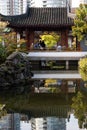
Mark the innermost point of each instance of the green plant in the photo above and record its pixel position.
(80, 22)
(54, 90)
(83, 68)
(80, 108)
(3, 53)
(11, 48)
(50, 39)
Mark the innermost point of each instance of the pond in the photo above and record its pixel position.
(52, 104)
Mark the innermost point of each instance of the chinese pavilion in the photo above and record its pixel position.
(41, 19)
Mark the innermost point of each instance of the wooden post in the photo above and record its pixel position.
(29, 38)
(64, 87)
(64, 38)
(77, 45)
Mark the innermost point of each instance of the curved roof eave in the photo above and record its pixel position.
(40, 17)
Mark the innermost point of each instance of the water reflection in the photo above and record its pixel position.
(62, 109)
(57, 85)
(17, 121)
(10, 122)
(48, 123)
(80, 109)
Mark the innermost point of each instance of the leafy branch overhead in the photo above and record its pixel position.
(80, 22)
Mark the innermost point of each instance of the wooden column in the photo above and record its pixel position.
(64, 87)
(64, 38)
(78, 48)
(29, 38)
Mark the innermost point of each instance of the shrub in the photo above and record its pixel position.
(3, 53)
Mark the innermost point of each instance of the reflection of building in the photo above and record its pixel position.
(10, 122)
(50, 118)
(48, 123)
(58, 85)
(38, 123)
(54, 123)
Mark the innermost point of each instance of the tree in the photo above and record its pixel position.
(12, 45)
(50, 39)
(83, 68)
(10, 42)
(80, 22)
(80, 108)
(21, 45)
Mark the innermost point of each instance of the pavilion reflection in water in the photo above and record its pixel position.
(46, 119)
(51, 112)
(51, 119)
(57, 82)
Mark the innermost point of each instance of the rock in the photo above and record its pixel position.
(15, 70)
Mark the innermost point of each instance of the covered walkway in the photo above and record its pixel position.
(56, 55)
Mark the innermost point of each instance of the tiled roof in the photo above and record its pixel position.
(41, 17)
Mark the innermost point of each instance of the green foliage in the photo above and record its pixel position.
(10, 38)
(14, 46)
(78, 103)
(55, 90)
(11, 43)
(83, 68)
(22, 47)
(1, 38)
(3, 113)
(80, 108)
(3, 53)
(50, 39)
(11, 48)
(50, 81)
(80, 22)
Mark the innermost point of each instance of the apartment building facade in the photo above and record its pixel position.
(13, 7)
(3, 7)
(49, 3)
(83, 2)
